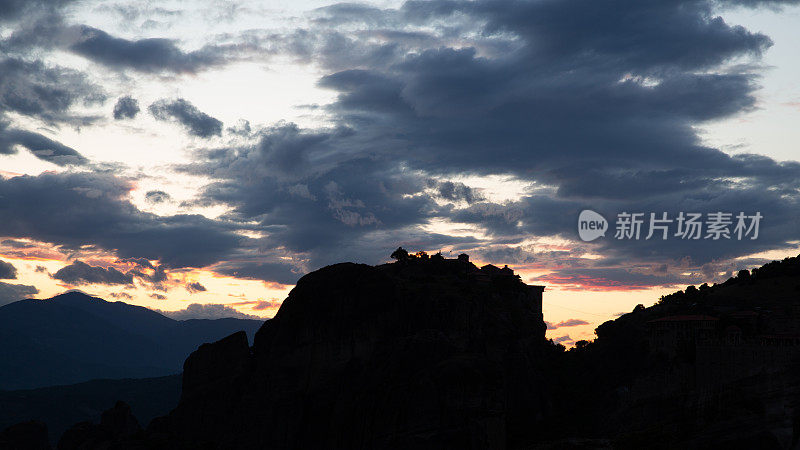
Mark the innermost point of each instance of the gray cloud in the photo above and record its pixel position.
(81, 273)
(126, 108)
(565, 339)
(195, 121)
(101, 214)
(14, 9)
(451, 191)
(7, 270)
(132, 12)
(571, 323)
(508, 255)
(13, 243)
(10, 293)
(365, 205)
(45, 92)
(259, 270)
(41, 146)
(195, 287)
(565, 323)
(156, 197)
(32, 88)
(207, 311)
(153, 55)
(266, 304)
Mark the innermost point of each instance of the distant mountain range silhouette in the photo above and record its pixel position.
(74, 337)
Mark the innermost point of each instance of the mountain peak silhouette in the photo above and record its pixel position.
(76, 337)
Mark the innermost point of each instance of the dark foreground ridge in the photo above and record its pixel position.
(434, 353)
(60, 407)
(423, 353)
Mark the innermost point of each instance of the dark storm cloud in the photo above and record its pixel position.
(365, 205)
(159, 274)
(101, 214)
(41, 146)
(81, 273)
(454, 107)
(13, 243)
(47, 93)
(259, 270)
(126, 108)
(195, 287)
(10, 293)
(195, 121)
(582, 89)
(50, 30)
(449, 190)
(508, 255)
(34, 89)
(7, 271)
(595, 102)
(152, 55)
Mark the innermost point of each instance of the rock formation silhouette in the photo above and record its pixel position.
(417, 354)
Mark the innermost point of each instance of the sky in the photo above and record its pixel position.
(199, 157)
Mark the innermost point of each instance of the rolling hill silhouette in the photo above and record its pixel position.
(74, 337)
(60, 407)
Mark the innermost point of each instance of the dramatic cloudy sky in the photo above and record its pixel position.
(201, 156)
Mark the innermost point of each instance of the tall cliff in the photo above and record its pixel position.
(417, 354)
